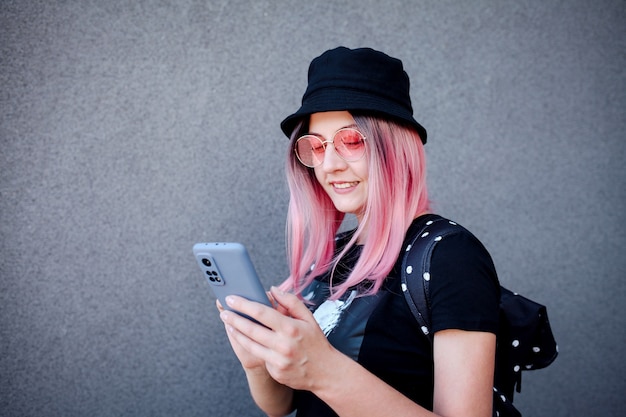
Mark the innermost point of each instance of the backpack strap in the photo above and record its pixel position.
(415, 271)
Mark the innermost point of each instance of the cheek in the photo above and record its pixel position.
(361, 168)
(319, 175)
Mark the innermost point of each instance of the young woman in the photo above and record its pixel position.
(342, 340)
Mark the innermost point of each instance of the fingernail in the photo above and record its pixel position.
(278, 290)
(230, 300)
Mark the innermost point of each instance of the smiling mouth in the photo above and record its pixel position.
(344, 185)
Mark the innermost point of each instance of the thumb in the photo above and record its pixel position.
(291, 304)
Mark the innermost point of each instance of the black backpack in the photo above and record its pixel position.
(524, 338)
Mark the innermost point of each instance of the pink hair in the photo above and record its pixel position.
(397, 194)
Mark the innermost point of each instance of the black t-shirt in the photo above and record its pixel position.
(380, 332)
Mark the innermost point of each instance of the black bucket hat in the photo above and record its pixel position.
(357, 79)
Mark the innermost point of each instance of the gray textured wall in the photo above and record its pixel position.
(131, 129)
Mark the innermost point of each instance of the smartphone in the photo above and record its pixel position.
(228, 269)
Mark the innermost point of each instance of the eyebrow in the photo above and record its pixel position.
(352, 126)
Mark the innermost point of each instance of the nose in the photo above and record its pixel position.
(332, 160)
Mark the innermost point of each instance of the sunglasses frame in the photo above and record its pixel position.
(324, 142)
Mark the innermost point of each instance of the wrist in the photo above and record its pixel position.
(256, 372)
(335, 374)
(272, 397)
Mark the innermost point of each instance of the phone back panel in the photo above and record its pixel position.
(228, 269)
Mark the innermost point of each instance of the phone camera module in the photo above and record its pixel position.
(206, 262)
(213, 276)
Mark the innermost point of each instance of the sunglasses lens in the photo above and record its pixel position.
(349, 144)
(310, 150)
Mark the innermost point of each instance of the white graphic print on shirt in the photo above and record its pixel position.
(328, 314)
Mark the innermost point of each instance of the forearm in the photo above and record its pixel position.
(353, 391)
(272, 397)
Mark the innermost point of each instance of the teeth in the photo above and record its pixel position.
(345, 185)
